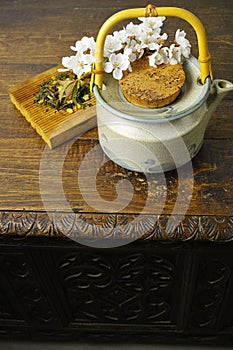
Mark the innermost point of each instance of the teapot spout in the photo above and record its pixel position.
(219, 89)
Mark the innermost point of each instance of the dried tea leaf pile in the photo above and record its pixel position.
(65, 91)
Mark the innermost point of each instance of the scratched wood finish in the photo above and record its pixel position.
(34, 36)
(169, 286)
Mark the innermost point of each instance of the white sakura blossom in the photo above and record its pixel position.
(148, 41)
(84, 64)
(126, 46)
(151, 23)
(185, 51)
(117, 63)
(162, 37)
(180, 38)
(121, 35)
(174, 54)
(112, 44)
(136, 47)
(84, 45)
(133, 30)
(79, 64)
(159, 57)
(132, 44)
(131, 55)
(184, 43)
(67, 62)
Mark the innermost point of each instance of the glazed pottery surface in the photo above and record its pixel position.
(156, 140)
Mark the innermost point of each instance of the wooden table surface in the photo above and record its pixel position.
(34, 36)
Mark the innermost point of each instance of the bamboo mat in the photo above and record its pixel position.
(55, 127)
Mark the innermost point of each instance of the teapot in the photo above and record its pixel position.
(153, 140)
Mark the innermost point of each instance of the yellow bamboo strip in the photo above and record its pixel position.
(204, 56)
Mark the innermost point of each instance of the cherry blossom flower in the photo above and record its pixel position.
(184, 43)
(126, 46)
(116, 65)
(112, 44)
(121, 36)
(185, 51)
(159, 57)
(80, 63)
(151, 24)
(67, 63)
(180, 38)
(84, 45)
(162, 38)
(133, 30)
(148, 41)
(131, 55)
(174, 54)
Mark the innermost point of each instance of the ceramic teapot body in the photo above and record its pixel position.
(155, 145)
(156, 140)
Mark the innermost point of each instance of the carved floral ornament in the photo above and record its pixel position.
(92, 226)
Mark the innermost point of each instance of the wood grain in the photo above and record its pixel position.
(174, 284)
(34, 36)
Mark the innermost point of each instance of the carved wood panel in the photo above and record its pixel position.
(210, 292)
(94, 226)
(7, 312)
(58, 287)
(121, 287)
(25, 289)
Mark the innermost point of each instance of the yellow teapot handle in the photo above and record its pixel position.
(150, 11)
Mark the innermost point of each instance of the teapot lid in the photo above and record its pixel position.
(192, 96)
